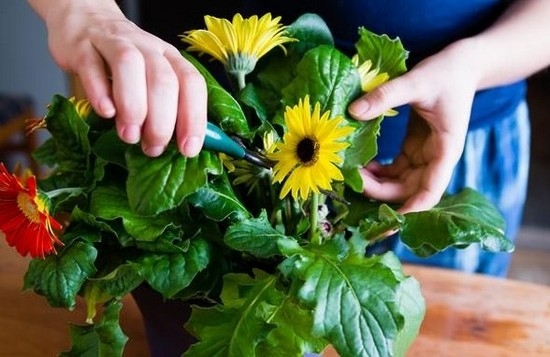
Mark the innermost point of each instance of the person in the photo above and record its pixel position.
(465, 89)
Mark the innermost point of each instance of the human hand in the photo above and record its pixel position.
(131, 75)
(440, 90)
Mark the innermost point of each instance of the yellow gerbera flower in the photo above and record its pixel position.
(83, 106)
(240, 43)
(370, 79)
(308, 155)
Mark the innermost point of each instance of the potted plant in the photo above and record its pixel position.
(271, 257)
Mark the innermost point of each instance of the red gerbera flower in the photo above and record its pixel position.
(24, 216)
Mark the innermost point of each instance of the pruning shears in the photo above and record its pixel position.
(217, 140)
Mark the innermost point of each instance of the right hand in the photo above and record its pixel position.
(131, 75)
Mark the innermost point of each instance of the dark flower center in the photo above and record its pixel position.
(308, 151)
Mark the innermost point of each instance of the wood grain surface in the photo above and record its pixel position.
(467, 315)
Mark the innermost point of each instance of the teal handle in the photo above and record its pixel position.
(218, 141)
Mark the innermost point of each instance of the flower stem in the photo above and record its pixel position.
(314, 236)
(241, 80)
(60, 191)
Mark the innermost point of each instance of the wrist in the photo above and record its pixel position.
(469, 52)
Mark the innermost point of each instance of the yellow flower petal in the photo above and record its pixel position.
(307, 159)
(371, 79)
(239, 43)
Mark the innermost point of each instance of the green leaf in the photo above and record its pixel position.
(60, 277)
(45, 153)
(327, 76)
(158, 184)
(354, 300)
(170, 273)
(70, 137)
(217, 201)
(120, 281)
(363, 149)
(234, 328)
(223, 108)
(410, 301)
(255, 236)
(110, 148)
(311, 31)
(104, 339)
(458, 220)
(358, 208)
(111, 202)
(77, 231)
(413, 308)
(292, 336)
(90, 224)
(386, 54)
(387, 221)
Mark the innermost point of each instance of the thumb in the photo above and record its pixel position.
(386, 96)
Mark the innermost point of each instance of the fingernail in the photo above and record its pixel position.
(131, 133)
(192, 146)
(107, 108)
(359, 109)
(153, 151)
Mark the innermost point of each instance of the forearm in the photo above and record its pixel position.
(516, 46)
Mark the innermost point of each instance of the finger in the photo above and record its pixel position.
(389, 171)
(383, 189)
(432, 186)
(129, 86)
(90, 70)
(392, 94)
(375, 168)
(192, 108)
(423, 200)
(162, 100)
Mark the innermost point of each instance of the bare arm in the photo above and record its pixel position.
(516, 46)
(127, 73)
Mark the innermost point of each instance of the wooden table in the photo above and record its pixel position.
(467, 315)
(474, 315)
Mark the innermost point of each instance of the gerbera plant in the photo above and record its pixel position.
(275, 258)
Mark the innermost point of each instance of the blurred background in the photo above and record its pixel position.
(29, 78)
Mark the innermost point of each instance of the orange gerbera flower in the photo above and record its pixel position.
(24, 216)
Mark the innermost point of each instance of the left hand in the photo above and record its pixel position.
(440, 90)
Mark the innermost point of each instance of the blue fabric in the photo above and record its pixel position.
(495, 162)
(488, 107)
(424, 27)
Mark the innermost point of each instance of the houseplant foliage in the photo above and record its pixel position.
(273, 264)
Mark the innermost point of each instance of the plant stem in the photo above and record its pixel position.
(314, 236)
(59, 191)
(240, 80)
